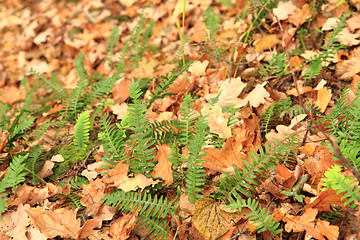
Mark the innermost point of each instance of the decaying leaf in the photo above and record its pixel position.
(163, 167)
(211, 220)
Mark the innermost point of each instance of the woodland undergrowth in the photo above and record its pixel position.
(131, 148)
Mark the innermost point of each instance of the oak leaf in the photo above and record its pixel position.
(217, 120)
(60, 222)
(298, 223)
(229, 91)
(163, 167)
(211, 220)
(284, 9)
(121, 228)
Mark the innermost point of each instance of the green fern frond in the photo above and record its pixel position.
(164, 132)
(74, 103)
(143, 145)
(112, 139)
(335, 180)
(16, 174)
(34, 157)
(195, 175)
(52, 83)
(152, 210)
(161, 90)
(212, 22)
(110, 44)
(244, 181)
(257, 214)
(82, 129)
(21, 123)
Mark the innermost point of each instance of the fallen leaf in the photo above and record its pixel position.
(266, 42)
(92, 195)
(323, 98)
(14, 223)
(284, 9)
(121, 91)
(59, 222)
(298, 223)
(198, 68)
(121, 227)
(136, 182)
(217, 120)
(212, 221)
(163, 167)
(229, 91)
(324, 200)
(256, 96)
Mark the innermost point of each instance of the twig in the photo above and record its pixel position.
(224, 60)
(337, 151)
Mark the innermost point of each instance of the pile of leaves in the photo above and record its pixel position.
(238, 98)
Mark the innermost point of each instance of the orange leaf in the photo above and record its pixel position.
(266, 42)
(212, 221)
(163, 167)
(297, 223)
(121, 91)
(323, 98)
(60, 222)
(122, 227)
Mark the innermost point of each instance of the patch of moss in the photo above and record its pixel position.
(72, 155)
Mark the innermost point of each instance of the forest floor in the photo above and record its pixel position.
(245, 54)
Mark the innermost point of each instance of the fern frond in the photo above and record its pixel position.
(195, 176)
(143, 145)
(112, 139)
(263, 220)
(16, 172)
(110, 44)
(335, 180)
(152, 211)
(164, 132)
(82, 129)
(20, 125)
(244, 181)
(75, 104)
(52, 83)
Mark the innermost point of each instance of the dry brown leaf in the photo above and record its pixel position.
(219, 160)
(320, 162)
(14, 223)
(121, 91)
(323, 98)
(353, 23)
(87, 228)
(347, 38)
(266, 42)
(324, 200)
(284, 9)
(121, 227)
(12, 94)
(300, 15)
(348, 68)
(163, 167)
(329, 231)
(198, 68)
(92, 195)
(60, 222)
(32, 195)
(46, 170)
(256, 96)
(298, 223)
(229, 90)
(211, 220)
(217, 120)
(136, 182)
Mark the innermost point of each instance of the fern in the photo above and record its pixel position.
(341, 184)
(53, 84)
(143, 149)
(263, 220)
(81, 130)
(212, 22)
(112, 139)
(276, 66)
(252, 173)
(164, 132)
(110, 44)
(195, 176)
(151, 210)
